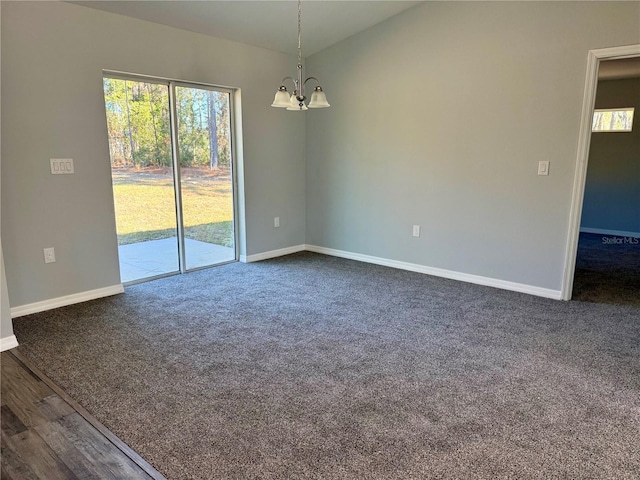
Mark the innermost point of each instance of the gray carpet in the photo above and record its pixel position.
(313, 367)
(607, 269)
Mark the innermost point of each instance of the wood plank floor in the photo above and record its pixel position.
(46, 435)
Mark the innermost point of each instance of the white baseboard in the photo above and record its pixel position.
(7, 343)
(602, 231)
(44, 305)
(439, 272)
(272, 254)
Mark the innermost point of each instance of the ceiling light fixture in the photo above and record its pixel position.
(296, 101)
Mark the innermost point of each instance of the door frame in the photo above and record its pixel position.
(584, 142)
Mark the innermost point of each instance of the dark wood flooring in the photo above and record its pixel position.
(46, 435)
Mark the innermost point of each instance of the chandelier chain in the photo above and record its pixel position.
(299, 30)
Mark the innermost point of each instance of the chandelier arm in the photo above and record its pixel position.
(293, 80)
(311, 78)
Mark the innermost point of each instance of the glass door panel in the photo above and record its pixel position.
(206, 176)
(142, 173)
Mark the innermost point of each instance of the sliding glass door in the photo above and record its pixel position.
(173, 177)
(206, 176)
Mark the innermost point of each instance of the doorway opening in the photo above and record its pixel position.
(603, 248)
(173, 175)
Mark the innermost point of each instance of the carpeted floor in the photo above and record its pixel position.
(607, 269)
(313, 367)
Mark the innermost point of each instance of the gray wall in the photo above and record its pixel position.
(439, 117)
(53, 54)
(6, 327)
(612, 191)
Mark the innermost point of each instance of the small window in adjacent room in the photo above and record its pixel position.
(612, 120)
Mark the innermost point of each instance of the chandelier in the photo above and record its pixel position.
(295, 102)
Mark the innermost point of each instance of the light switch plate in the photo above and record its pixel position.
(543, 167)
(61, 166)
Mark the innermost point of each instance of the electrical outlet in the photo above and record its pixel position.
(416, 230)
(49, 255)
(276, 222)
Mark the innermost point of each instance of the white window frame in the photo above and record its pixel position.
(607, 110)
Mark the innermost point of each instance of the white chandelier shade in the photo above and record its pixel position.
(282, 100)
(294, 105)
(318, 99)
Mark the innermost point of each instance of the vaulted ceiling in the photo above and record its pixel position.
(269, 24)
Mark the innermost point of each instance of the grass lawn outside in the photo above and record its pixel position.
(146, 209)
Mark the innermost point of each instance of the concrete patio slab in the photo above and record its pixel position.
(157, 257)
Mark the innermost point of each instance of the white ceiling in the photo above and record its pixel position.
(265, 23)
